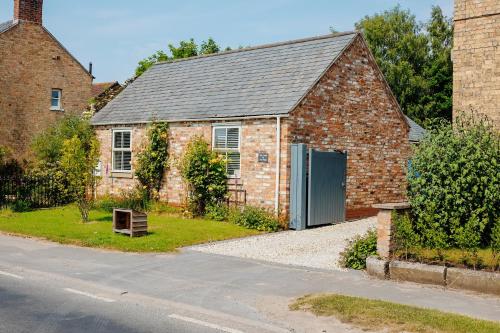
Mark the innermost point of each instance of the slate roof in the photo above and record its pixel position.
(7, 25)
(417, 132)
(259, 81)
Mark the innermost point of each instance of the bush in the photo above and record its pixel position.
(361, 247)
(217, 212)
(454, 184)
(152, 160)
(205, 173)
(405, 238)
(254, 218)
(136, 199)
(20, 206)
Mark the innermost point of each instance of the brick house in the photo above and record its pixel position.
(326, 92)
(476, 57)
(40, 81)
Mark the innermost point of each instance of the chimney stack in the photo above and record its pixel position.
(28, 10)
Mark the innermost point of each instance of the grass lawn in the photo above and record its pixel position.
(166, 231)
(391, 317)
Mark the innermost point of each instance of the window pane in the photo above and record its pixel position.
(127, 157)
(117, 160)
(233, 138)
(220, 138)
(233, 163)
(125, 139)
(54, 102)
(118, 139)
(55, 93)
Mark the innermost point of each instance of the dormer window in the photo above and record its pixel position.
(55, 102)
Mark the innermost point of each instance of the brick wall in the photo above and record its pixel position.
(28, 72)
(258, 179)
(476, 57)
(351, 109)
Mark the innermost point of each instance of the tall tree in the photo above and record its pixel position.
(414, 59)
(185, 49)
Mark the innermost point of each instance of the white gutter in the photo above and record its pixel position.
(278, 158)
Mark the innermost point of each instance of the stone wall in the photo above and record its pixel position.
(352, 109)
(31, 64)
(257, 178)
(476, 57)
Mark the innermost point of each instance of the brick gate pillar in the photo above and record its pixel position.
(385, 226)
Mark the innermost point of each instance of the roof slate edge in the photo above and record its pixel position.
(258, 47)
(13, 23)
(108, 123)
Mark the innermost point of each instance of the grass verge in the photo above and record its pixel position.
(391, 317)
(166, 231)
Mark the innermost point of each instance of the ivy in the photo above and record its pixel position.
(152, 160)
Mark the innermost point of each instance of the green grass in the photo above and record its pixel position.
(166, 232)
(391, 317)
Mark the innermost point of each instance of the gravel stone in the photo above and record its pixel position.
(315, 248)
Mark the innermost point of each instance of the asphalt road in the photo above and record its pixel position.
(45, 287)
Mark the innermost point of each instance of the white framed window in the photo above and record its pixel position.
(226, 140)
(122, 150)
(55, 99)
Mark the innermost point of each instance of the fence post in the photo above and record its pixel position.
(385, 227)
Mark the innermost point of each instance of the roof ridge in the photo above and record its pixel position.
(258, 47)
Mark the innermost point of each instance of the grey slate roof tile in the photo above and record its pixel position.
(266, 80)
(6, 25)
(417, 132)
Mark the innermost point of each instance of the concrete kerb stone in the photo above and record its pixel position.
(420, 273)
(486, 282)
(377, 267)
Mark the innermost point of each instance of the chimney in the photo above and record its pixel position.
(28, 10)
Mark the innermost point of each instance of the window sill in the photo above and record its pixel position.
(56, 109)
(125, 174)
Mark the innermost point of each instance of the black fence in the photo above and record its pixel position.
(31, 191)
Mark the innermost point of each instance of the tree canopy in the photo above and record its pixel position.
(185, 49)
(415, 59)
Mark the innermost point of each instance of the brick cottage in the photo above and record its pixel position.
(40, 81)
(326, 92)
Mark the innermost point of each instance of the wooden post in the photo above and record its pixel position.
(385, 226)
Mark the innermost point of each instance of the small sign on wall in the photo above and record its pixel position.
(263, 157)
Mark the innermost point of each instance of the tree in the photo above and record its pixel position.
(415, 59)
(79, 159)
(185, 49)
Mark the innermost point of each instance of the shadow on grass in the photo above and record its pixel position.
(108, 218)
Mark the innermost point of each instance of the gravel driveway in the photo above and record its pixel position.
(316, 248)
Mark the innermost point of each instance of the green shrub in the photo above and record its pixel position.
(361, 247)
(163, 208)
(20, 206)
(217, 212)
(254, 218)
(136, 199)
(495, 242)
(205, 173)
(406, 239)
(454, 184)
(152, 160)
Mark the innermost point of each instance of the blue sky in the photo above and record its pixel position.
(116, 34)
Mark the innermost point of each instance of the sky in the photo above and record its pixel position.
(115, 34)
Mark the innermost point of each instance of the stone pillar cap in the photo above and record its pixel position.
(392, 205)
